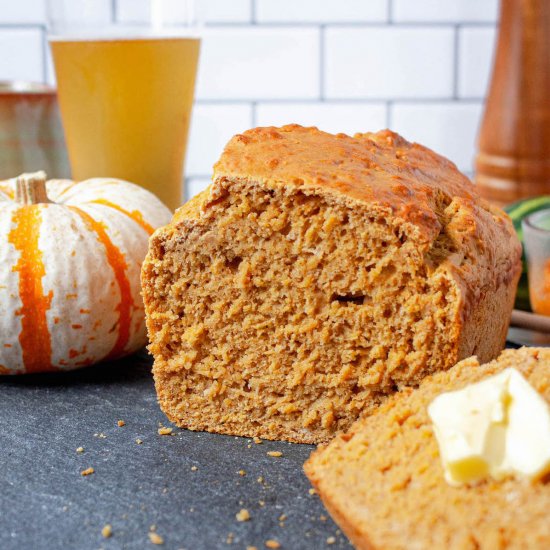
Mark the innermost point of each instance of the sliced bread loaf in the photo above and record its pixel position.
(383, 480)
(316, 275)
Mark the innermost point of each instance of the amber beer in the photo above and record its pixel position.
(126, 105)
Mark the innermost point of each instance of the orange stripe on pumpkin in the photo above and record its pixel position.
(35, 340)
(135, 215)
(118, 264)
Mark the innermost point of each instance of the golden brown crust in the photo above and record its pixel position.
(380, 168)
(416, 185)
(383, 483)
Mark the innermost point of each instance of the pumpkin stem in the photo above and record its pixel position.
(31, 188)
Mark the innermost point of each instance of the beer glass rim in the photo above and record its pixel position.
(73, 20)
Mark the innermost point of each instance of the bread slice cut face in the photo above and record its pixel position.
(383, 481)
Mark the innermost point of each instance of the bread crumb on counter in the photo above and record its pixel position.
(80, 449)
(155, 538)
(139, 441)
(312, 491)
(243, 515)
(242, 472)
(331, 540)
(107, 531)
(121, 423)
(165, 431)
(271, 543)
(87, 472)
(257, 440)
(194, 468)
(274, 453)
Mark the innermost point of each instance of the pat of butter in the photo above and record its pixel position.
(497, 427)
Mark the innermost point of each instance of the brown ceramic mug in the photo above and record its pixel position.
(31, 135)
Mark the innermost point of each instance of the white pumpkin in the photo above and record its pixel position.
(70, 259)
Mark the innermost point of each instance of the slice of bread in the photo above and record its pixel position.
(316, 275)
(383, 480)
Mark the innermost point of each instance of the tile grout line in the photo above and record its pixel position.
(22, 26)
(298, 24)
(114, 11)
(253, 12)
(44, 43)
(389, 114)
(456, 61)
(253, 114)
(343, 100)
(198, 176)
(322, 62)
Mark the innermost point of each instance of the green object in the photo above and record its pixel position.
(517, 211)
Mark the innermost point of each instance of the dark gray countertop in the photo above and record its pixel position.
(45, 502)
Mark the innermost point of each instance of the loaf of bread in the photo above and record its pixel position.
(316, 275)
(383, 480)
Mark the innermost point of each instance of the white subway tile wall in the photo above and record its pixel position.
(254, 63)
(388, 62)
(420, 67)
(21, 53)
(475, 56)
(18, 12)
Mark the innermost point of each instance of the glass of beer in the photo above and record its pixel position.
(125, 85)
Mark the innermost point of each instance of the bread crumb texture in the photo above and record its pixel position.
(243, 515)
(315, 276)
(383, 483)
(87, 472)
(107, 531)
(155, 538)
